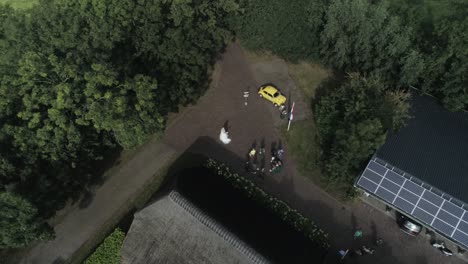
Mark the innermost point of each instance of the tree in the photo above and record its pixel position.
(352, 121)
(19, 222)
(439, 62)
(81, 78)
(287, 28)
(353, 145)
(364, 37)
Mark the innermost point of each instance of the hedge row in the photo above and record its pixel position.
(109, 252)
(282, 209)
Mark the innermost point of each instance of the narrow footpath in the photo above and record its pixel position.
(248, 124)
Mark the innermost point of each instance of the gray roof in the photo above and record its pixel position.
(173, 230)
(432, 147)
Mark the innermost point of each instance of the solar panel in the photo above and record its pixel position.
(425, 203)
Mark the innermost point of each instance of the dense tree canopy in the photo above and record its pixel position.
(352, 121)
(288, 28)
(439, 33)
(20, 222)
(79, 78)
(364, 37)
(422, 43)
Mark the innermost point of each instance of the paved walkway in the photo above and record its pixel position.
(248, 124)
(81, 224)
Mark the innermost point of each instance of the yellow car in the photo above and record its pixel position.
(272, 94)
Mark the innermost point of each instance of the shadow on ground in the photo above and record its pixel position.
(340, 234)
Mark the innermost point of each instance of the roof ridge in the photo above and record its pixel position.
(216, 227)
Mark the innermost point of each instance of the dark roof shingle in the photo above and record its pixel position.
(433, 147)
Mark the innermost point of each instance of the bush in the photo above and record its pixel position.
(281, 26)
(280, 208)
(352, 122)
(109, 252)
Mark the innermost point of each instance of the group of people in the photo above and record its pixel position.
(363, 250)
(276, 162)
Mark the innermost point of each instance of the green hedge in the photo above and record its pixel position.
(109, 251)
(282, 209)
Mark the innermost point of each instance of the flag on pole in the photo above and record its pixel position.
(291, 115)
(292, 111)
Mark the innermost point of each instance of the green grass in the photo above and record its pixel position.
(303, 146)
(301, 140)
(109, 251)
(308, 76)
(19, 4)
(258, 56)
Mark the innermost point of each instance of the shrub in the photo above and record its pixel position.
(352, 122)
(109, 251)
(280, 208)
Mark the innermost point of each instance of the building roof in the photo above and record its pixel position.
(173, 230)
(208, 220)
(423, 169)
(433, 147)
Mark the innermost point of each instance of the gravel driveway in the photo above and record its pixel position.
(258, 121)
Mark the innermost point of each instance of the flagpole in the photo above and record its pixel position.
(291, 116)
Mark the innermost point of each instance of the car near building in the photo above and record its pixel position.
(272, 94)
(422, 170)
(409, 226)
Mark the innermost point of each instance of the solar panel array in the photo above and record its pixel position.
(425, 203)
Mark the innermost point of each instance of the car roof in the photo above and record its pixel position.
(412, 226)
(270, 89)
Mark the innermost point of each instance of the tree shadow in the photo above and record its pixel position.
(328, 86)
(86, 199)
(59, 260)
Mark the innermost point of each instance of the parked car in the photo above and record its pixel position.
(272, 94)
(409, 226)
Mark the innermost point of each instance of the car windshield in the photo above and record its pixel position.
(412, 226)
(276, 94)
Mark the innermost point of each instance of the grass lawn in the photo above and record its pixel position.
(19, 4)
(303, 146)
(308, 76)
(258, 56)
(301, 140)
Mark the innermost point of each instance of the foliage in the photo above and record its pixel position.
(20, 223)
(109, 252)
(440, 40)
(364, 37)
(422, 43)
(352, 122)
(80, 79)
(283, 210)
(281, 26)
(19, 4)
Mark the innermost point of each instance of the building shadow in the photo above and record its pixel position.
(284, 188)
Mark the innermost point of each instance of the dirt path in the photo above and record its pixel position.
(248, 124)
(256, 122)
(112, 201)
